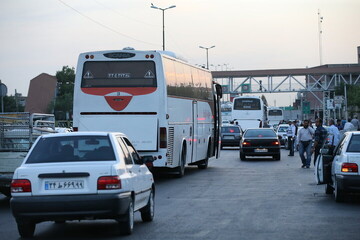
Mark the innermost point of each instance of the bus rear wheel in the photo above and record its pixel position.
(180, 170)
(204, 163)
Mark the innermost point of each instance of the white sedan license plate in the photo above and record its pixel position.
(261, 150)
(66, 184)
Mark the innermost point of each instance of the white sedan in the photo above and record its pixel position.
(340, 170)
(83, 175)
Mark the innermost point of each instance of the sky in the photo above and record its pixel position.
(42, 36)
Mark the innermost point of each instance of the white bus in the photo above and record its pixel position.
(167, 107)
(249, 112)
(275, 115)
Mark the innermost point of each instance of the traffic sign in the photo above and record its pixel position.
(330, 104)
(339, 99)
(245, 88)
(225, 89)
(306, 108)
(3, 90)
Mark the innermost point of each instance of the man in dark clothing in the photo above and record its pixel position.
(320, 137)
(339, 125)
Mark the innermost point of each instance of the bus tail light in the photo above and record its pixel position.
(349, 167)
(163, 138)
(20, 185)
(108, 183)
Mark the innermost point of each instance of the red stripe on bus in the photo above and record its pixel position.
(118, 103)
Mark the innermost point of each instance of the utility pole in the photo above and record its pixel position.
(320, 20)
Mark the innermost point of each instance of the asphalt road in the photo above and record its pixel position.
(232, 199)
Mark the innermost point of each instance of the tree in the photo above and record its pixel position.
(63, 106)
(353, 98)
(10, 104)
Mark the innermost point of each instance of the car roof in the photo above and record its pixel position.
(267, 129)
(230, 125)
(82, 134)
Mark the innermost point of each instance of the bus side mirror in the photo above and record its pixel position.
(218, 90)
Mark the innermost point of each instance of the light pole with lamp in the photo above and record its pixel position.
(207, 54)
(163, 15)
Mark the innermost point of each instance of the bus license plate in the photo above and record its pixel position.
(65, 184)
(261, 150)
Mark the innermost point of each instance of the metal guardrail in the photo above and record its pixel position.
(18, 131)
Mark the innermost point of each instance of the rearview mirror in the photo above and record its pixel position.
(218, 90)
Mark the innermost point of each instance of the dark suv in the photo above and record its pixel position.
(230, 136)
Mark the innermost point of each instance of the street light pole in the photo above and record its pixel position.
(207, 54)
(163, 18)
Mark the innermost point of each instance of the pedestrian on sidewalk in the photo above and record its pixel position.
(303, 141)
(319, 139)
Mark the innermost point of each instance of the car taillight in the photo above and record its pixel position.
(275, 143)
(75, 129)
(246, 144)
(349, 167)
(20, 185)
(163, 140)
(108, 183)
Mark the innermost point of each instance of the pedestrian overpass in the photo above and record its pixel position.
(318, 82)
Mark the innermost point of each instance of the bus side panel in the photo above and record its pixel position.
(180, 118)
(205, 129)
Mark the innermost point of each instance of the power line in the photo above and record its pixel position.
(122, 15)
(106, 27)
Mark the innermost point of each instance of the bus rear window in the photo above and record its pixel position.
(247, 104)
(275, 113)
(118, 74)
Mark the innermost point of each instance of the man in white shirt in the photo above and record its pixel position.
(355, 122)
(334, 135)
(291, 137)
(303, 141)
(349, 126)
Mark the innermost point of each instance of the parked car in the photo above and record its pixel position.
(281, 133)
(260, 142)
(340, 170)
(82, 175)
(230, 136)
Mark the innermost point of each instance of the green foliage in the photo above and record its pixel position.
(10, 104)
(65, 94)
(352, 92)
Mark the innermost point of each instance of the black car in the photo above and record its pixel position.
(260, 142)
(230, 136)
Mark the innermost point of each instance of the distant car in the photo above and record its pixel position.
(281, 132)
(260, 142)
(230, 136)
(82, 175)
(340, 170)
(225, 122)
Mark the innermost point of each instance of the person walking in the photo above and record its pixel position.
(355, 122)
(303, 142)
(339, 125)
(291, 137)
(334, 136)
(319, 139)
(349, 126)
